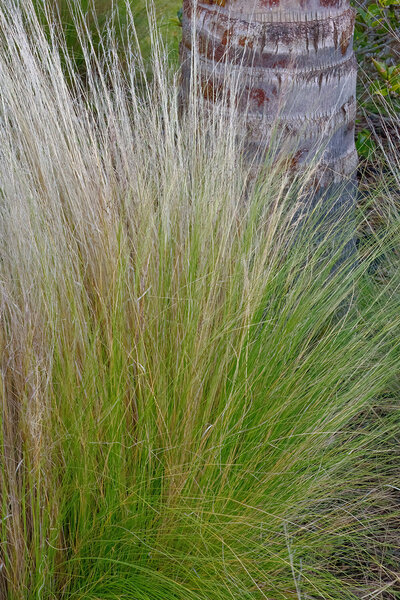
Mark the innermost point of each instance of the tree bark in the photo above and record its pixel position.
(297, 68)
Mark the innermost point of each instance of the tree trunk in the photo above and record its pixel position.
(297, 68)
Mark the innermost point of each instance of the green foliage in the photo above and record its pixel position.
(377, 45)
(365, 144)
(389, 83)
(375, 20)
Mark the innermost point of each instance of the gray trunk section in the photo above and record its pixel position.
(289, 66)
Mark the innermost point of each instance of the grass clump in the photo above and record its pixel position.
(192, 408)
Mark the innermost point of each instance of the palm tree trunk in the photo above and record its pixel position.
(297, 67)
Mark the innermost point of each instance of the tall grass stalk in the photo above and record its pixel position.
(192, 408)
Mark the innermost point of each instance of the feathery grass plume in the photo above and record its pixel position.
(185, 414)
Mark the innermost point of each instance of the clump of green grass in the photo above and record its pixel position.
(192, 407)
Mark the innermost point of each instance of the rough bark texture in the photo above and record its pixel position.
(296, 65)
